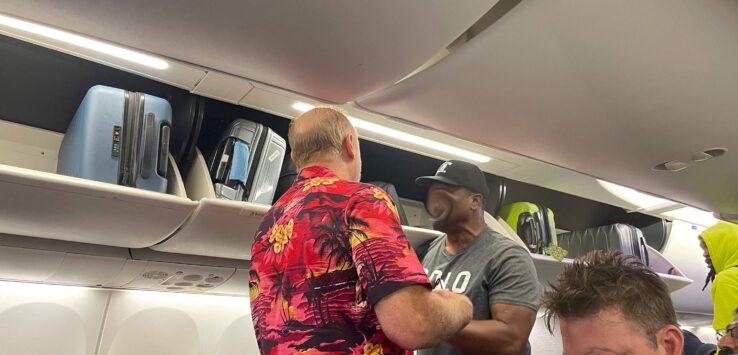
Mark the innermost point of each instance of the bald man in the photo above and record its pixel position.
(331, 271)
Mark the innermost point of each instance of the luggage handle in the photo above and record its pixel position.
(533, 231)
(544, 226)
(162, 159)
(148, 145)
(644, 249)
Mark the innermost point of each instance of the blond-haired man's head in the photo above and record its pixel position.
(324, 136)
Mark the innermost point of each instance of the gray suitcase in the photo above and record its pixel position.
(246, 164)
(615, 237)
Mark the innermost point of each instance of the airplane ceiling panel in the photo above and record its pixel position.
(606, 88)
(332, 50)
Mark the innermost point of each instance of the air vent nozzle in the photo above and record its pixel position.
(699, 157)
(708, 154)
(672, 166)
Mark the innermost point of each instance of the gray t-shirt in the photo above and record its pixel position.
(492, 269)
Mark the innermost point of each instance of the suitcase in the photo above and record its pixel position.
(615, 237)
(286, 177)
(392, 192)
(246, 163)
(534, 224)
(120, 137)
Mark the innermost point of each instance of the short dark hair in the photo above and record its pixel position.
(610, 281)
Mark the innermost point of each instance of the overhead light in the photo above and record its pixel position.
(84, 42)
(693, 215)
(406, 137)
(302, 107)
(644, 202)
(28, 288)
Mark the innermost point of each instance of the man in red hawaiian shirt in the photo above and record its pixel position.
(331, 270)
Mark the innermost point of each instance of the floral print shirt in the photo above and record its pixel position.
(323, 256)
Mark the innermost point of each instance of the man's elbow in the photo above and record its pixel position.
(419, 334)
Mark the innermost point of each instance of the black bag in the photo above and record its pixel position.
(286, 177)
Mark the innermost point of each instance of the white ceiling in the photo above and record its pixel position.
(332, 50)
(607, 88)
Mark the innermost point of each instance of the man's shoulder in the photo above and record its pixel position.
(498, 243)
(438, 242)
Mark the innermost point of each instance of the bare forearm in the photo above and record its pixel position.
(450, 315)
(488, 337)
(416, 319)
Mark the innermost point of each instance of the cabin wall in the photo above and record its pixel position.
(46, 319)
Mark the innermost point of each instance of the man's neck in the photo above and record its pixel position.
(337, 167)
(462, 237)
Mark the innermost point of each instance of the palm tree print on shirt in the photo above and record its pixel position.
(322, 256)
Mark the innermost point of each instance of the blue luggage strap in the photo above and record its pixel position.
(239, 162)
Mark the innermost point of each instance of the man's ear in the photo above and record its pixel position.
(671, 339)
(349, 145)
(477, 202)
(292, 156)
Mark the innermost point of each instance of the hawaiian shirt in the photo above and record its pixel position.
(323, 256)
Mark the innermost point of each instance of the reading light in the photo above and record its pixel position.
(406, 137)
(84, 42)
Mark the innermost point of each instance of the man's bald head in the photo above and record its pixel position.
(318, 134)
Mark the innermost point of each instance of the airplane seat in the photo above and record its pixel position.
(504, 229)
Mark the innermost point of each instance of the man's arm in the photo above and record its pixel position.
(506, 333)
(513, 296)
(396, 286)
(416, 318)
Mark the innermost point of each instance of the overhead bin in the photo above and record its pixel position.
(223, 87)
(336, 51)
(590, 86)
(57, 267)
(46, 205)
(548, 270)
(225, 229)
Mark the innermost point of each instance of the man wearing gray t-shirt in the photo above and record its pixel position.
(493, 271)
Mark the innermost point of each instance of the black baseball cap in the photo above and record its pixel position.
(458, 173)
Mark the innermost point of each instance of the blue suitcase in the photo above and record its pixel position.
(119, 137)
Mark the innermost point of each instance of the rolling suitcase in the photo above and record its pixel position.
(120, 137)
(534, 224)
(246, 164)
(615, 237)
